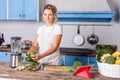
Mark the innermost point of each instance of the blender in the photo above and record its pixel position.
(16, 55)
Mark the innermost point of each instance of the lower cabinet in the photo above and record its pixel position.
(92, 60)
(64, 60)
(69, 60)
(5, 56)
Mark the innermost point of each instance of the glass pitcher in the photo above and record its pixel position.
(16, 44)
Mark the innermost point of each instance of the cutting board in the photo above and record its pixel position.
(55, 68)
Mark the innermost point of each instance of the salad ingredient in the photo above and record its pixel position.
(103, 58)
(32, 63)
(110, 60)
(116, 53)
(117, 61)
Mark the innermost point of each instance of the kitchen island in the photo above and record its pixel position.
(8, 72)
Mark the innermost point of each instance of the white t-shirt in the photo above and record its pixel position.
(45, 41)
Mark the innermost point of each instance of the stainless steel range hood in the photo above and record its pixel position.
(114, 5)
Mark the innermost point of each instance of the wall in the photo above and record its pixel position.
(27, 29)
(106, 34)
(24, 29)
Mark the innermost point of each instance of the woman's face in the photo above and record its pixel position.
(48, 17)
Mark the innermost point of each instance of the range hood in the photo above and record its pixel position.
(86, 16)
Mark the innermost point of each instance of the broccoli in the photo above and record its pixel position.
(101, 52)
(110, 60)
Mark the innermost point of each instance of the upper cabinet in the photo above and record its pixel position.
(19, 10)
(22, 9)
(3, 12)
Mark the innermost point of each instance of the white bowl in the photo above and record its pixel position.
(109, 70)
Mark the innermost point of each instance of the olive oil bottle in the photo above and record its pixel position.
(3, 40)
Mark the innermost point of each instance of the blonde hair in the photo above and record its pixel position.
(52, 8)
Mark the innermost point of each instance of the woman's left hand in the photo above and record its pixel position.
(36, 57)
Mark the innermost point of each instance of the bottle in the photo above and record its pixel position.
(3, 40)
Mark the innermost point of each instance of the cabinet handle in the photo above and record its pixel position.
(20, 15)
(24, 15)
(76, 59)
(6, 54)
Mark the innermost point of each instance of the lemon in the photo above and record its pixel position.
(116, 53)
(117, 61)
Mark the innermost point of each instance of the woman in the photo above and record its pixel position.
(48, 38)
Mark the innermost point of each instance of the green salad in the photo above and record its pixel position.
(32, 63)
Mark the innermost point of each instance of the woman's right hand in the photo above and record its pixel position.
(28, 52)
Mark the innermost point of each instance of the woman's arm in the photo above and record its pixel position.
(34, 46)
(57, 40)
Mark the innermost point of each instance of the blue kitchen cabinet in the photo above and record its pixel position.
(4, 57)
(69, 60)
(92, 60)
(22, 9)
(3, 13)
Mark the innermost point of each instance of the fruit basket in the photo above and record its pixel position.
(108, 60)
